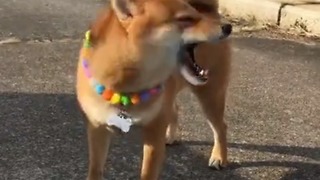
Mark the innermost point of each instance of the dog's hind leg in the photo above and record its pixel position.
(175, 85)
(213, 107)
(212, 102)
(212, 97)
(171, 134)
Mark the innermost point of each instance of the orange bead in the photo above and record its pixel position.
(86, 53)
(135, 99)
(107, 94)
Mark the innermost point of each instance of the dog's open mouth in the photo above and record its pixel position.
(190, 70)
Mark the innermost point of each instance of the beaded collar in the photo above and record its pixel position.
(114, 98)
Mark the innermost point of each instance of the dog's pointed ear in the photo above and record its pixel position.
(124, 9)
(99, 25)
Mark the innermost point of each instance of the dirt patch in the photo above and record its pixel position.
(251, 28)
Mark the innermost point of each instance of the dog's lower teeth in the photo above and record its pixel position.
(195, 75)
(203, 72)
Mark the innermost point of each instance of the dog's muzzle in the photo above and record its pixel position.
(189, 69)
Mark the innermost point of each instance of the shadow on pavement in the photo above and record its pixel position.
(303, 169)
(43, 137)
(312, 153)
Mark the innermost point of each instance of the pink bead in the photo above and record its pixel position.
(87, 73)
(153, 91)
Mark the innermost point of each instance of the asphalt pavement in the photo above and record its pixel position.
(273, 106)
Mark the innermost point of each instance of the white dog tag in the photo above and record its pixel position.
(121, 121)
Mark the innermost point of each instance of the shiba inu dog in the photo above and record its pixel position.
(137, 56)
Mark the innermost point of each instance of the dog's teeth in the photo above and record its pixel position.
(204, 72)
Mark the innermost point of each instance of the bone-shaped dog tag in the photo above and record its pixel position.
(121, 121)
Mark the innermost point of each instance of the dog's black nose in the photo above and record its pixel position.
(226, 29)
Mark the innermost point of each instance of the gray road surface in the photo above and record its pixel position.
(273, 107)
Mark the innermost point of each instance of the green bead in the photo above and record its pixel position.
(86, 44)
(125, 100)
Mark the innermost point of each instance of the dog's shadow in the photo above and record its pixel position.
(42, 136)
(303, 170)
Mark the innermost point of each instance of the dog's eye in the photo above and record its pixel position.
(201, 7)
(185, 20)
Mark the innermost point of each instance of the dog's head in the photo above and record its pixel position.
(140, 42)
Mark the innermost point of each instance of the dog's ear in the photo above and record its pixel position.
(122, 9)
(98, 27)
(125, 9)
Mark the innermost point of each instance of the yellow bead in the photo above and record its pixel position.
(88, 35)
(115, 98)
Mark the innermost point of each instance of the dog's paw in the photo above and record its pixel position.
(171, 140)
(171, 135)
(216, 163)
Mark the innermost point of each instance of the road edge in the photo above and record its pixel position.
(283, 15)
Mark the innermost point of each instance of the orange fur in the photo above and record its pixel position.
(138, 52)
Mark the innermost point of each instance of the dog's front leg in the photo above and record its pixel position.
(99, 140)
(154, 148)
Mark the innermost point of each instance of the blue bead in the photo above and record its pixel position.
(145, 96)
(99, 88)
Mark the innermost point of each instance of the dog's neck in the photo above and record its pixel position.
(123, 99)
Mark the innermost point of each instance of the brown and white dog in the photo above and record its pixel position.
(136, 57)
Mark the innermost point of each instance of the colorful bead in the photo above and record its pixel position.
(86, 44)
(85, 63)
(125, 100)
(85, 52)
(107, 94)
(145, 96)
(93, 82)
(99, 88)
(154, 91)
(115, 99)
(88, 35)
(87, 73)
(135, 99)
